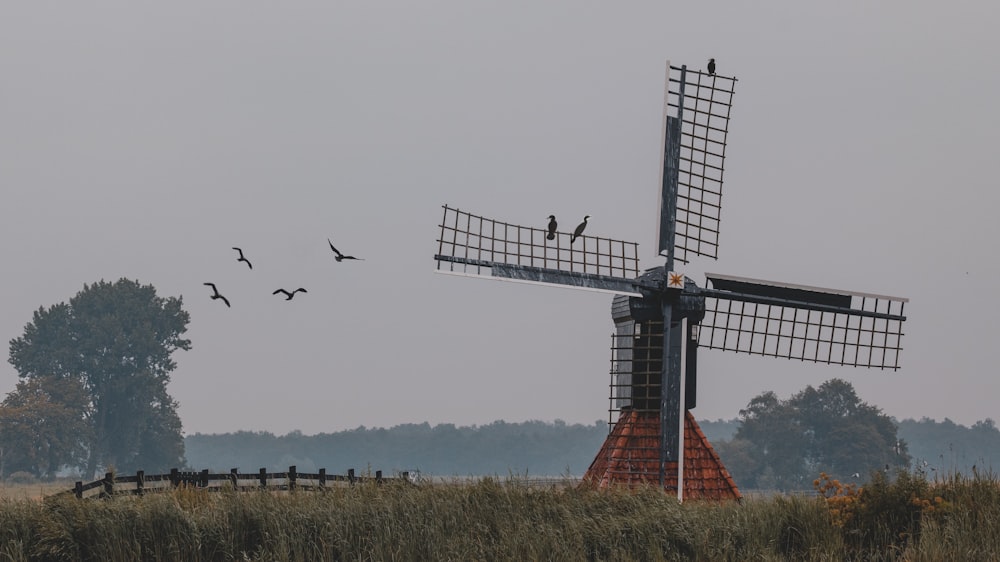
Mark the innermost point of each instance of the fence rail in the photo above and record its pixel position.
(141, 483)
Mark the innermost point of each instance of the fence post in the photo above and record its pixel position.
(350, 476)
(139, 484)
(204, 479)
(109, 483)
(233, 473)
(378, 477)
(322, 477)
(78, 490)
(263, 478)
(174, 478)
(291, 477)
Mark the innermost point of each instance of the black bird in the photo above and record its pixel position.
(339, 256)
(217, 295)
(241, 258)
(552, 227)
(579, 230)
(711, 66)
(288, 296)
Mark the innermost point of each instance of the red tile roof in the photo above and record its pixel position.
(630, 456)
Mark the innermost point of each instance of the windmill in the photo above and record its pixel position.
(662, 317)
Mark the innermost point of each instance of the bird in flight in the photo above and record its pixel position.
(552, 227)
(216, 294)
(711, 66)
(288, 296)
(339, 256)
(241, 258)
(579, 229)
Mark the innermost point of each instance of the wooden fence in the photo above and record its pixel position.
(142, 483)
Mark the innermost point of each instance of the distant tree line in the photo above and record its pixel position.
(946, 448)
(775, 444)
(500, 448)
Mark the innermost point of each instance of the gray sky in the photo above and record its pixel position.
(144, 140)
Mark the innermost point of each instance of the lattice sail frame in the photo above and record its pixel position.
(474, 245)
(706, 100)
(866, 333)
(636, 367)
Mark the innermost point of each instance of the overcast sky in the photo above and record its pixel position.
(144, 140)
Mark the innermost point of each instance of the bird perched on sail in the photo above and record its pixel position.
(288, 296)
(241, 258)
(711, 66)
(579, 229)
(340, 256)
(552, 227)
(216, 294)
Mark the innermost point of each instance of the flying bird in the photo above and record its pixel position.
(241, 258)
(216, 294)
(339, 256)
(711, 66)
(579, 230)
(552, 227)
(288, 296)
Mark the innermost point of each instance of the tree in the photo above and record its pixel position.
(826, 429)
(847, 435)
(43, 426)
(116, 339)
(772, 428)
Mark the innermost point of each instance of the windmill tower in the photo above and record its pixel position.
(662, 317)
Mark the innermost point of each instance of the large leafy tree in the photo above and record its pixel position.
(43, 426)
(785, 444)
(116, 339)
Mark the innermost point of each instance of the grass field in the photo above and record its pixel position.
(903, 518)
(35, 491)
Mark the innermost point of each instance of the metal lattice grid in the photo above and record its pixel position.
(636, 367)
(471, 244)
(867, 336)
(707, 102)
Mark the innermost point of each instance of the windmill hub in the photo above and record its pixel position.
(654, 285)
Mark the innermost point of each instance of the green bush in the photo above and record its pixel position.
(888, 512)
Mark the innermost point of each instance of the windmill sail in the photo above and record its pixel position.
(800, 322)
(477, 246)
(696, 112)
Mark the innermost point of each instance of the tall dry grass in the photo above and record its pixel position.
(34, 489)
(906, 518)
